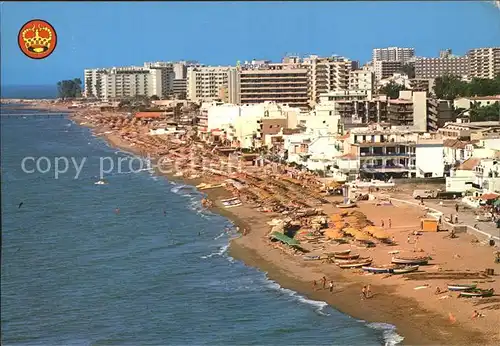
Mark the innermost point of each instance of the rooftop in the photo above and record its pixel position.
(469, 164)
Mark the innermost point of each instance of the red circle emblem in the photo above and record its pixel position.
(37, 39)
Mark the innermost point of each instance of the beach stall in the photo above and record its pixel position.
(429, 225)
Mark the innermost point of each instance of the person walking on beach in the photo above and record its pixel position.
(363, 292)
(390, 223)
(315, 285)
(456, 207)
(331, 286)
(382, 223)
(323, 279)
(368, 291)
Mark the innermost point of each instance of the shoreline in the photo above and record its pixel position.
(416, 323)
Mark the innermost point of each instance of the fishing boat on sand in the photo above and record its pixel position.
(345, 206)
(311, 258)
(377, 270)
(461, 287)
(404, 269)
(410, 260)
(354, 264)
(361, 259)
(477, 292)
(346, 256)
(336, 253)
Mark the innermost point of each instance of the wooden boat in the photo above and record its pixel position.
(311, 258)
(342, 261)
(377, 270)
(415, 260)
(461, 287)
(354, 264)
(344, 206)
(346, 256)
(340, 252)
(404, 269)
(477, 292)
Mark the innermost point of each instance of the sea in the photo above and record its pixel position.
(136, 261)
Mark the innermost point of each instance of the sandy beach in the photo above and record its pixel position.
(421, 316)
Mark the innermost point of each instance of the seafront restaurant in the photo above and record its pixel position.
(149, 117)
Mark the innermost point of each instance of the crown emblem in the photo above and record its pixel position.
(37, 39)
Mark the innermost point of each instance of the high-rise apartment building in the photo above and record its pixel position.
(328, 74)
(445, 64)
(210, 83)
(125, 82)
(362, 80)
(484, 62)
(285, 83)
(402, 55)
(384, 69)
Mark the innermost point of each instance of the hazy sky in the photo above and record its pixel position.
(93, 34)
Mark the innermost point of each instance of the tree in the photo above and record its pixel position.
(485, 113)
(449, 87)
(392, 90)
(409, 70)
(69, 88)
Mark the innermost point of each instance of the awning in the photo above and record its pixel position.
(489, 196)
(285, 239)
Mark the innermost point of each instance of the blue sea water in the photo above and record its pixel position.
(76, 271)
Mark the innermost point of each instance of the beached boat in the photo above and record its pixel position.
(348, 205)
(409, 260)
(311, 258)
(346, 256)
(477, 292)
(342, 261)
(356, 264)
(404, 269)
(461, 287)
(340, 252)
(377, 270)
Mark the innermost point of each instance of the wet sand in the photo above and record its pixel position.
(420, 316)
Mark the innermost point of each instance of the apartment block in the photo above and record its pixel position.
(209, 83)
(484, 62)
(329, 74)
(167, 76)
(445, 64)
(361, 80)
(403, 55)
(384, 69)
(285, 83)
(384, 150)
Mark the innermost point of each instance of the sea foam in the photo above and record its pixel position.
(389, 333)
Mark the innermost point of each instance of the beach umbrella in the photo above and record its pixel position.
(339, 225)
(335, 217)
(333, 234)
(351, 231)
(381, 234)
(362, 236)
(372, 229)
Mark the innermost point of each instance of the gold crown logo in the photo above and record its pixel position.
(37, 39)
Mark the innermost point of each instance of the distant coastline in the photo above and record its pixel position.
(28, 92)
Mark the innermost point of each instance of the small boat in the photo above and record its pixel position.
(344, 206)
(340, 252)
(100, 182)
(377, 270)
(346, 256)
(404, 269)
(415, 260)
(311, 258)
(477, 292)
(356, 264)
(343, 261)
(461, 287)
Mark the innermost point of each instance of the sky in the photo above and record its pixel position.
(106, 34)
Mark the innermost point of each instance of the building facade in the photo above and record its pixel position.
(402, 55)
(209, 83)
(484, 62)
(384, 69)
(285, 83)
(445, 64)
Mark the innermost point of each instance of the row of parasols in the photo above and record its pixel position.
(340, 230)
